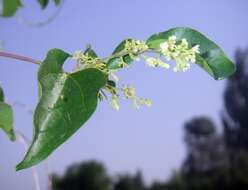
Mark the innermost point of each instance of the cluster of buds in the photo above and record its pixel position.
(171, 49)
(85, 61)
(181, 53)
(156, 62)
(128, 92)
(135, 46)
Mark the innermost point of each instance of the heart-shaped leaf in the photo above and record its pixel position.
(66, 103)
(211, 58)
(6, 117)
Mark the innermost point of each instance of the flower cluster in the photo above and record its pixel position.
(155, 62)
(135, 46)
(85, 61)
(114, 96)
(171, 49)
(180, 52)
(128, 92)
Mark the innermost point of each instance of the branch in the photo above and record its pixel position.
(19, 57)
(124, 52)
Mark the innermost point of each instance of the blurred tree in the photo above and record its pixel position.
(235, 118)
(128, 182)
(176, 182)
(90, 175)
(235, 121)
(200, 138)
(206, 164)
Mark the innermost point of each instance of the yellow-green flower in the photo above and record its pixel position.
(156, 62)
(135, 46)
(114, 103)
(85, 61)
(130, 93)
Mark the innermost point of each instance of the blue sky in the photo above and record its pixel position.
(150, 139)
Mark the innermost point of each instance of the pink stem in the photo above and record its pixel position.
(19, 57)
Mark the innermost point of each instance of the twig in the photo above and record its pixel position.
(18, 57)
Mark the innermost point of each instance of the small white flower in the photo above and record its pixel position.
(180, 52)
(151, 62)
(164, 46)
(156, 62)
(196, 49)
(114, 103)
(135, 46)
(184, 43)
(145, 102)
(129, 93)
(192, 59)
(164, 65)
(114, 76)
(172, 38)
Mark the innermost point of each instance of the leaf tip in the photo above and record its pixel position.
(12, 136)
(19, 167)
(24, 164)
(27, 162)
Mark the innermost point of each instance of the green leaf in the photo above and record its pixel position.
(114, 62)
(67, 102)
(211, 58)
(6, 117)
(6, 120)
(111, 83)
(1, 95)
(43, 3)
(90, 52)
(9, 7)
(57, 2)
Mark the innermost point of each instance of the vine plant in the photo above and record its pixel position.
(8, 8)
(68, 99)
